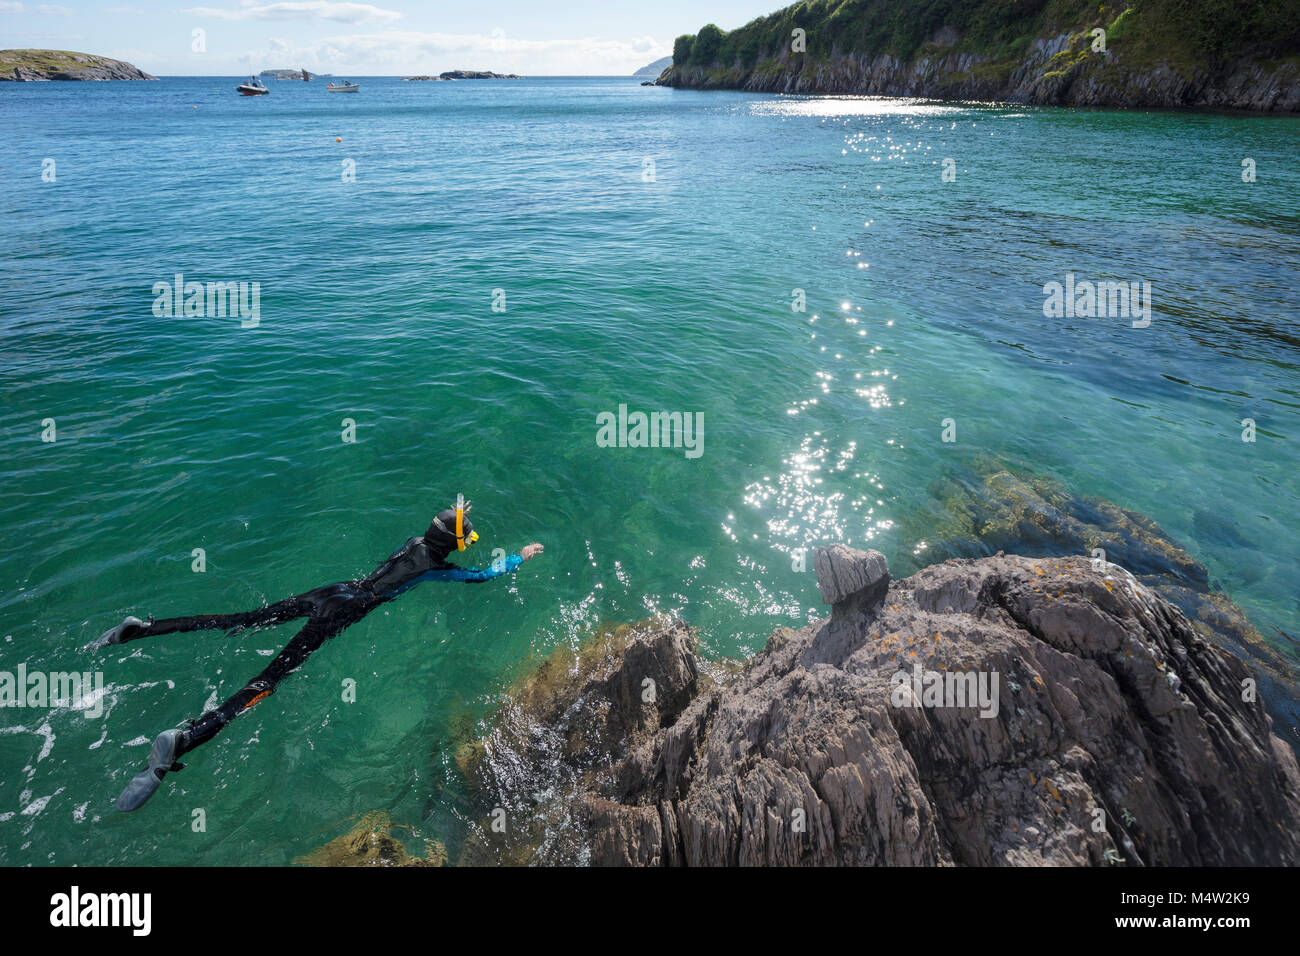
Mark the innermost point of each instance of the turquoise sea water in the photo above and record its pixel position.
(648, 242)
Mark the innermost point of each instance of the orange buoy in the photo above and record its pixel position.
(338, 139)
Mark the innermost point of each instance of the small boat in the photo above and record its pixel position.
(344, 87)
(253, 87)
(306, 77)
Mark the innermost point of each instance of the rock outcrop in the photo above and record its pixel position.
(41, 65)
(994, 505)
(1060, 70)
(371, 843)
(999, 711)
(567, 716)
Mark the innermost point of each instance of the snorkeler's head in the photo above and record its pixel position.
(452, 529)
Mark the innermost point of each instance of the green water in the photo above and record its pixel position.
(664, 292)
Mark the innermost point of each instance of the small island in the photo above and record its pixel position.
(35, 66)
(305, 75)
(464, 75)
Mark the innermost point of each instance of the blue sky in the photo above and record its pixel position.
(372, 38)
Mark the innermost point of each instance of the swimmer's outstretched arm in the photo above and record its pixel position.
(478, 575)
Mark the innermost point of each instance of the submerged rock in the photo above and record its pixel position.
(1007, 710)
(994, 505)
(371, 843)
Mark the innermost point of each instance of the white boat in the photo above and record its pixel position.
(344, 87)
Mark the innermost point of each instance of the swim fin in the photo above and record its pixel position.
(128, 629)
(162, 760)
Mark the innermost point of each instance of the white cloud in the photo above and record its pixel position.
(406, 52)
(300, 10)
(49, 9)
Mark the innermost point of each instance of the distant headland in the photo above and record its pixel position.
(465, 75)
(41, 65)
(655, 68)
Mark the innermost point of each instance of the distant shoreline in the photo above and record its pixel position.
(462, 75)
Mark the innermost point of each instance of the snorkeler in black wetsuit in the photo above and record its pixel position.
(328, 610)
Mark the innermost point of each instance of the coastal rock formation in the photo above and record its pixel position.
(1058, 71)
(569, 713)
(993, 505)
(999, 711)
(1157, 54)
(41, 65)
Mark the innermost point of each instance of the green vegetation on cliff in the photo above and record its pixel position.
(1204, 32)
(38, 65)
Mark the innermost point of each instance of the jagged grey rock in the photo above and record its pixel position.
(991, 505)
(844, 573)
(1120, 736)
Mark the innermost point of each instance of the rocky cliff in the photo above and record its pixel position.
(1044, 77)
(40, 65)
(1144, 57)
(1005, 710)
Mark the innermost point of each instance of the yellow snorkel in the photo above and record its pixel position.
(462, 508)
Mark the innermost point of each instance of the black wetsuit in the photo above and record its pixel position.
(328, 610)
